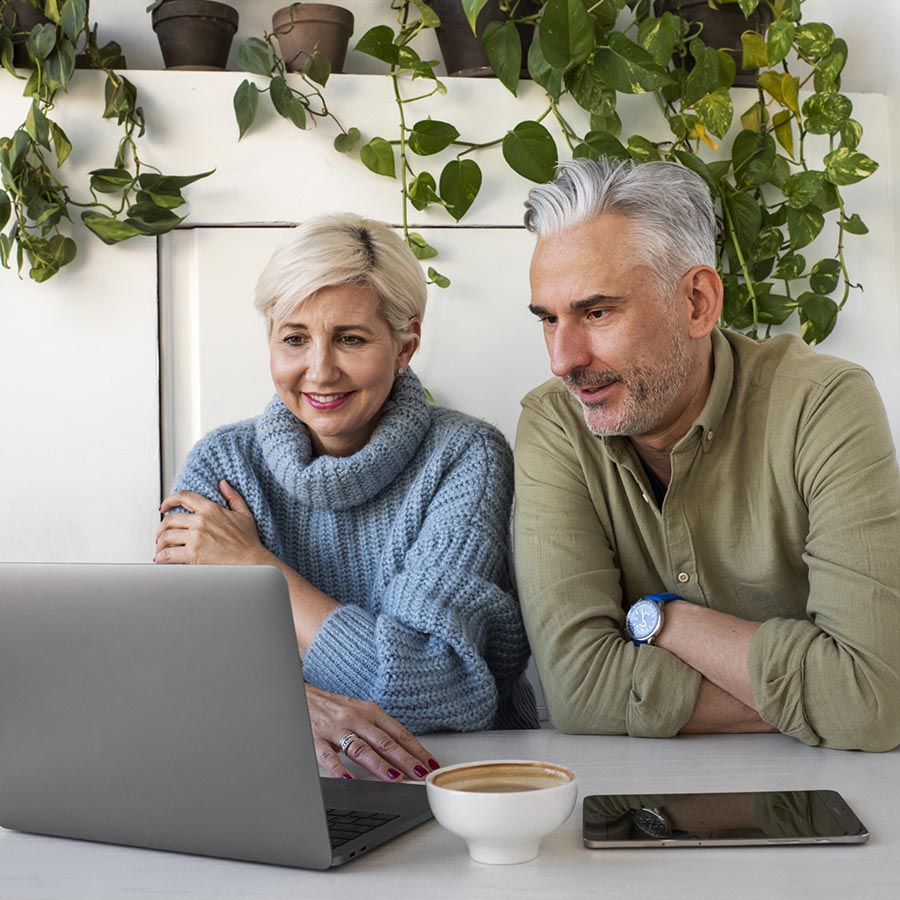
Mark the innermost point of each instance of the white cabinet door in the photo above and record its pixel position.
(481, 349)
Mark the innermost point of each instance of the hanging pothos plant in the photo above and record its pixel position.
(129, 199)
(773, 195)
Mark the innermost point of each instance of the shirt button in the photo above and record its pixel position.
(683, 577)
(709, 435)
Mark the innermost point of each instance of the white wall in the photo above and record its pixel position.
(79, 458)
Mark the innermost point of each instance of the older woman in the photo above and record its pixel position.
(388, 516)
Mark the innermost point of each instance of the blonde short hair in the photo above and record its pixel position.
(344, 248)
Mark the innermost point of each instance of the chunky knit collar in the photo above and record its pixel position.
(342, 482)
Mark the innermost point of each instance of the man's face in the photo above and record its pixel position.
(620, 347)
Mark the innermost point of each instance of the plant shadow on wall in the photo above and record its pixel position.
(772, 199)
(53, 38)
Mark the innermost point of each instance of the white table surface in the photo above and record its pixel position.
(430, 862)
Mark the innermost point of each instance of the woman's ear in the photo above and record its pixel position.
(704, 290)
(408, 348)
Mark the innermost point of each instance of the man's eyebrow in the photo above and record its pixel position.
(586, 303)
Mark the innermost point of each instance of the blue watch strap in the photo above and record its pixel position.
(662, 598)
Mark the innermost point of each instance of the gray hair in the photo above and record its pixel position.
(668, 206)
(344, 248)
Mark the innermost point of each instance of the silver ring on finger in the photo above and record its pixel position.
(347, 740)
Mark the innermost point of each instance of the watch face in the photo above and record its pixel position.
(651, 822)
(642, 619)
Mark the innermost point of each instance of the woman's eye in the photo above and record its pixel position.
(294, 340)
(352, 340)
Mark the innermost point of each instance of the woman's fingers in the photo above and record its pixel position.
(235, 501)
(188, 499)
(383, 756)
(330, 760)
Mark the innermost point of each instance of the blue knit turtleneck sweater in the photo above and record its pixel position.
(411, 536)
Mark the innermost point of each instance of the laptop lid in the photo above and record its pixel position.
(163, 707)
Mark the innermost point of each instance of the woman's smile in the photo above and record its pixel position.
(326, 402)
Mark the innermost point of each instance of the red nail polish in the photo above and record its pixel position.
(348, 776)
(420, 771)
(434, 764)
(393, 773)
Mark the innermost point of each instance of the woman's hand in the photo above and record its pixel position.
(382, 745)
(208, 534)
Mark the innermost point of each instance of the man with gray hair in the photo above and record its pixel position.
(707, 528)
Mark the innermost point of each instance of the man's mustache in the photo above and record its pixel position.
(583, 378)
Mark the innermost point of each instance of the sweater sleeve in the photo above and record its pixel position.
(446, 631)
(595, 680)
(833, 679)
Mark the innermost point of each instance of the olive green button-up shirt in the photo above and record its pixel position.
(783, 508)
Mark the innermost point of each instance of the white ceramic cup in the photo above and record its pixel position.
(502, 808)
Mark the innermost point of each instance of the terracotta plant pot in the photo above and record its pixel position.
(19, 16)
(462, 51)
(722, 28)
(306, 28)
(195, 34)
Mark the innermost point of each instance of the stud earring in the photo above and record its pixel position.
(401, 371)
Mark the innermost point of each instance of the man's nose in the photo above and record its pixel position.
(569, 350)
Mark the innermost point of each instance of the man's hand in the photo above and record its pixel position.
(382, 745)
(208, 533)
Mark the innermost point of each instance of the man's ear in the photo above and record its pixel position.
(703, 289)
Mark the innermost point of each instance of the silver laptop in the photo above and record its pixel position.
(164, 707)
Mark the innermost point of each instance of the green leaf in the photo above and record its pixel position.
(148, 218)
(378, 157)
(530, 150)
(698, 167)
(62, 249)
(246, 101)
(658, 37)
(628, 68)
(746, 216)
(566, 33)
(167, 201)
(801, 189)
(818, 316)
(826, 113)
(804, 226)
(37, 126)
(379, 42)
(423, 190)
(600, 143)
(814, 39)
(460, 184)
(779, 40)
(441, 281)
(704, 77)
(420, 247)
(791, 266)
(855, 225)
(755, 51)
(826, 274)
(71, 18)
(41, 41)
(642, 150)
(543, 73)
(254, 57)
(768, 244)
(851, 134)
(504, 52)
(344, 143)
(774, 309)
(843, 166)
(471, 8)
(716, 112)
(747, 6)
(110, 181)
(589, 90)
(430, 18)
(317, 68)
(108, 229)
(286, 103)
(727, 69)
(753, 157)
(167, 184)
(784, 132)
(430, 136)
(828, 70)
(5, 209)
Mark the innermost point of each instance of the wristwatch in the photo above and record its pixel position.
(652, 821)
(644, 620)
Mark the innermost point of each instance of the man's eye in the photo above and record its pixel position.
(596, 313)
(548, 320)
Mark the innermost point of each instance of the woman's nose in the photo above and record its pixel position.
(322, 365)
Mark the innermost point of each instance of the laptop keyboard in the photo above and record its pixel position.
(346, 824)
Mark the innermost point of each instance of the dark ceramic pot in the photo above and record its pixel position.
(462, 51)
(306, 28)
(195, 34)
(20, 17)
(722, 28)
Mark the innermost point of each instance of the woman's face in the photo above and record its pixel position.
(333, 359)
